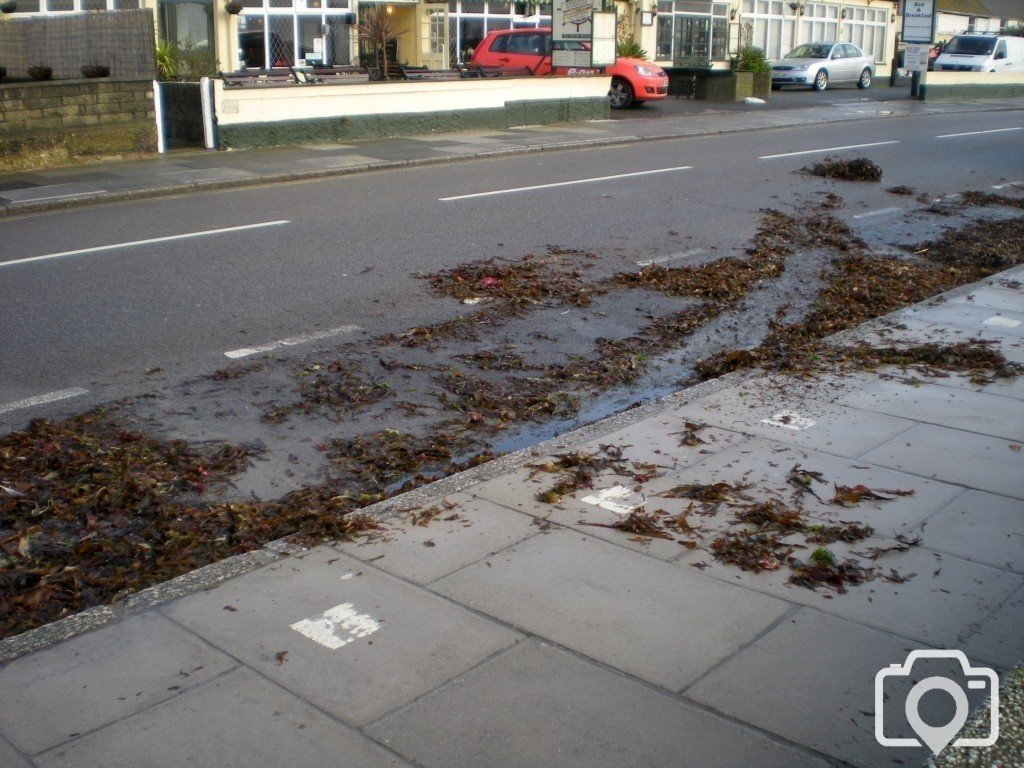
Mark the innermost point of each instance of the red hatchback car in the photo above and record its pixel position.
(633, 80)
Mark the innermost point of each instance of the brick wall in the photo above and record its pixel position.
(77, 118)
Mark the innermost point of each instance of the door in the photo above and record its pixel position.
(693, 41)
(433, 25)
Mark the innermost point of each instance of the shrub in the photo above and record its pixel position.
(750, 58)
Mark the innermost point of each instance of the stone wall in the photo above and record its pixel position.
(70, 119)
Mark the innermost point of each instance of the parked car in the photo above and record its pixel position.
(633, 80)
(818, 64)
(982, 53)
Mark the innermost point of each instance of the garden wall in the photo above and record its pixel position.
(973, 85)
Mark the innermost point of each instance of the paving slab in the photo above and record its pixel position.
(340, 633)
(238, 721)
(904, 329)
(9, 757)
(541, 706)
(464, 531)
(634, 613)
(791, 415)
(946, 406)
(941, 602)
(973, 316)
(999, 638)
(975, 461)
(814, 676)
(982, 527)
(99, 678)
(994, 295)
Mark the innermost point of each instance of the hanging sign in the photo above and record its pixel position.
(919, 21)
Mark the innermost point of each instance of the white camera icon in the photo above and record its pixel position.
(938, 738)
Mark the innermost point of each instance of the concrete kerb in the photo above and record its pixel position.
(209, 576)
(323, 173)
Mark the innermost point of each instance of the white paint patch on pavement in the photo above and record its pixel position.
(603, 499)
(879, 212)
(789, 420)
(977, 133)
(827, 149)
(49, 397)
(670, 257)
(565, 183)
(337, 627)
(290, 342)
(1008, 184)
(135, 243)
(1001, 322)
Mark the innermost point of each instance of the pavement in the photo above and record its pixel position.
(183, 171)
(499, 630)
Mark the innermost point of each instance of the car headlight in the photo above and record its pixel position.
(649, 71)
(801, 67)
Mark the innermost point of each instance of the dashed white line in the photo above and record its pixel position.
(1008, 184)
(827, 149)
(977, 133)
(49, 397)
(134, 243)
(290, 342)
(879, 212)
(564, 183)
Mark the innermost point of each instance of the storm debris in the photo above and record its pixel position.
(858, 169)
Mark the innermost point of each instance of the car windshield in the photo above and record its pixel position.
(810, 51)
(971, 46)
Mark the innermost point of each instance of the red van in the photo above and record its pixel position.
(633, 80)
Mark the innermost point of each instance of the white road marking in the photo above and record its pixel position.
(1008, 184)
(1001, 322)
(290, 342)
(337, 627)
(789, 420)
(880, 212)
(670, 257)
(49, 397)
(977, 133)
(564, 183)
(134, 243)
(603, 499)
(827, 149)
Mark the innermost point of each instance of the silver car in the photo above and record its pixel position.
(818, 64)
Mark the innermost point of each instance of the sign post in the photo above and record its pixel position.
(918, 29)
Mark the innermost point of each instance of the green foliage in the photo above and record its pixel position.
(822, 557)
(750, 58)
(1017, 31)
(167, 57)
(196, 60)
(377, 26)
(630, 49)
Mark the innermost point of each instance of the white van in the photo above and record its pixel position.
(982, 53)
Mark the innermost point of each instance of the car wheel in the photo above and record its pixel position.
(621, 94)
(820, 81)
(865, 78)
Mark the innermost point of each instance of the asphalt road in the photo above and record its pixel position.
(342, 252)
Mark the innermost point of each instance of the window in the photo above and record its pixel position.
(68, 6)
(865, 28)
(471, 20)
(692, 33)
(287, 33)
(819, 22)
(771, 27)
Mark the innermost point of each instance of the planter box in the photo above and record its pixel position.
(762, 85)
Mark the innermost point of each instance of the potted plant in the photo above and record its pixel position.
(8, 6)
(377, 26)
(750, 58)
(39, 72)
(234, 7)
(95, 70)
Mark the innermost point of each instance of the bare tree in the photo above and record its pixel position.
(378, 26)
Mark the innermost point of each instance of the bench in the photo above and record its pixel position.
(334, 75)
(505, 72)
(258, 77)
(417, 73)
